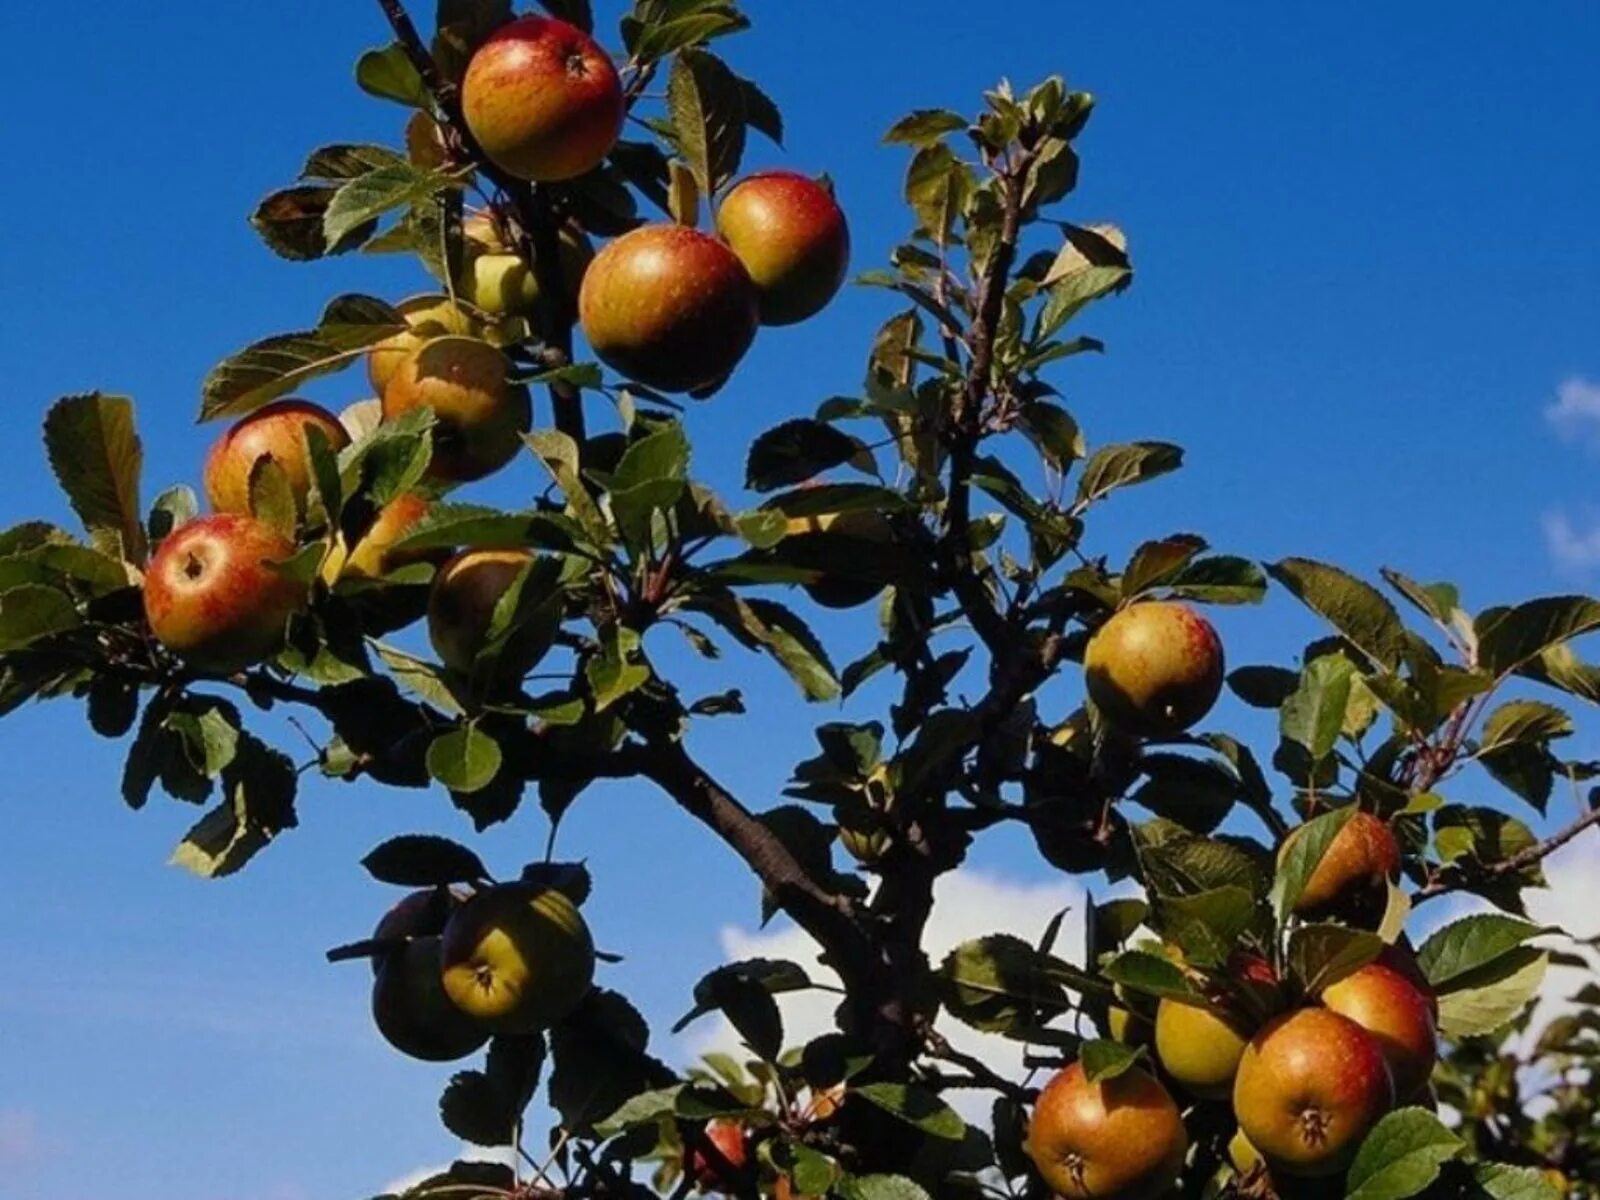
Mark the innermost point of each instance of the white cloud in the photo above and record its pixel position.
(1574, 547)
(968, 903)
(1575, 412)
(469, 1153)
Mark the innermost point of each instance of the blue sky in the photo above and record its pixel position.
(1367, 266)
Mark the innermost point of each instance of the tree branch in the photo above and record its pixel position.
(1453, 878)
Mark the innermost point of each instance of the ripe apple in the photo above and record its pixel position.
(461, 606)
(481, 413)
(543, 100)
(1155, 668)
(1398, 1015)
(1128, 1027)
(500, 283)
(374, 556)
(1200, 1047)
(791, 236)
(276, 431)
(1310, 1085)
(670, 307)
(1246, 1159)
(517, 958)
(412, 1011)
(211, 595)
(429, 317)
(731, 1142)
(1355, 870)
(1121, 1137)
(418, 914)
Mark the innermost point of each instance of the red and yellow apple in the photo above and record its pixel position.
(517, 958)
(462, 601)
(1356, 867)
(670, 307)
(428, 317)
(374, 555)
(498, 281)
(791, 236)
(732, 1143)
(276, 432)
(481, 413)
(543, 100)
(1310, 1085)
(1398, 1014)
(1154, 668)
(212, 595)
(1120, 1137)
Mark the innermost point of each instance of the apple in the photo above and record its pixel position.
(481, 413)
(374, 555)
(276, 431)
(791, 236)
(461, 606)
(1154, 668)
(1121, 1137)
(517, 958)
(412, 1011)
(501, 284)
(543, 100)
(1310, 1085)
(1246, 1159)
(1398, 1014)
(428, 317)
(1200, 1047)
(731, 1142)
(670, 307)
(212, 596)
(1354, 870)
(415, 915)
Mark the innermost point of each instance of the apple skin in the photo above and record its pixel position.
(517, 958)
(275, 431)
(1120, 1137)
(501, 284)
(1310, 1085)
(791, 236)
(543, 100)
(1398, 1015)
(412, 1011)
(1362, 858)
(482, 415)
(373, 556)
(462, 601)
(417, 914)
(1199, 1047)
(1154, 668)
(211, 597)
(429, 317)
(731, 1142)
(668, 306)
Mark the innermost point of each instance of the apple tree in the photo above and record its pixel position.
(1259, 1022)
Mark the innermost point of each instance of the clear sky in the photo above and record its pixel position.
(1367, 267)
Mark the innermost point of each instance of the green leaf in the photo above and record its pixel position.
(290, 222)
(1321, 955)
(259, 791)
(599, 1061)
(1112, 467)
(97, 457)
(1264, 687)
(1207, 926)
(1401, 1156)
(1104, 1059)
(1196, 793)
(915, 1106)
(795, 452)
(1523, 721)
(1001, 984)
(1353, 607)
(769, 626)
(370, 196)
(761, 113)
(422, 678)
(937, 187)
(1471, 943)
(1313, 717)
(1497, 1181)
(618, 670)
(276, 366)
(880, 1187)
(1483, 1001)
(272, 499)
(706, 103)
(925, 126)
(659, 40)
(389, 75)
(423, 860)
(1220, 579)
(465, 760)
(1302, 854)
(1052, 429)
(449, 526)
(1509, 639)
(473, 1108)
(650, 478)
(1150, 974)
(33, 611)
(1155, 562)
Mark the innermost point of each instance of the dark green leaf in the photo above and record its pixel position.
(423, 860)
(97, 457)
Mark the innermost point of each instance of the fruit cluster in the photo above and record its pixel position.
(1307, 1073)
(667, 305)
(452, 970)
